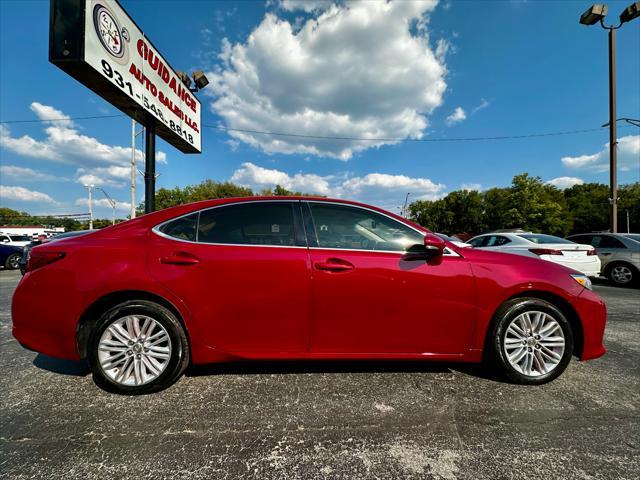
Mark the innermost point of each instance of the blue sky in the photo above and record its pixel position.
(409, 70)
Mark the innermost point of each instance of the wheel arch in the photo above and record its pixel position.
(102, 304)
(557, 301)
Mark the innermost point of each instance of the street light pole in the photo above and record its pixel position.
(90, 188)
(613, 131)
(596, 14)
(113, 204)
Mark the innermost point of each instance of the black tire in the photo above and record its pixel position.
(503, 318)
(176, 365)
(630, 270)
(12, 261)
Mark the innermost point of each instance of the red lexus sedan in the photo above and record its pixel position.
(295, 278)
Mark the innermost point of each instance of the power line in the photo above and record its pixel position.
(343, 138)
(62, 119)
(453, 139)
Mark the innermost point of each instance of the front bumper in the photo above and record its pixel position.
(593, 313)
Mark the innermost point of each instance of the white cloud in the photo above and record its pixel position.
(112, 176)
(65, 144)
(355, 70)
(565, 182)
(471, 187)
(483, 104)
(258, 178)
(27, 174)
(23, 194)
(628, 156)
(457, 116)
(305, 5)
(104, 203)
(376, 188)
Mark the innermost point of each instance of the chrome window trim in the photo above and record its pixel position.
(447, 251)
(157, 231)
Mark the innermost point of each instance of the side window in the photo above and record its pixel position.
(183, 228)
(353, 228)
(478, 242)
(610, 242)
(259, 223)
(500, 240)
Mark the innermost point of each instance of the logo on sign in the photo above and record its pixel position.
(111, 35)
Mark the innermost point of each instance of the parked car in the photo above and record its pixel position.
(295, 278)
(10, 256)
(24, 258)
(580, 257)
(618, 252)
(15, 240)
(455, 240)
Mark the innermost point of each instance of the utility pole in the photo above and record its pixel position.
(404, 207)
(90, 188)
(150, 167)
(132, 213)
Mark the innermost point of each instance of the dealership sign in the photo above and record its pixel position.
(97, 43)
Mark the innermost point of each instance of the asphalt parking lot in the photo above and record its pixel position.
(342, 420)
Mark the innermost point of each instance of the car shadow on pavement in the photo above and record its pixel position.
(335, 366)
(64, 367)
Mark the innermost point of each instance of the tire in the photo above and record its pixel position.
(131, 360)
(12, 261)
(543, 358)
(622, 274)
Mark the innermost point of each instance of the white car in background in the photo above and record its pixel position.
(579, 256)
(15, 240)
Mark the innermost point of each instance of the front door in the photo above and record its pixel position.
(368, 298)
(243, 272)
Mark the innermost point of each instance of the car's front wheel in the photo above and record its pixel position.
(533, 341)
(137, 347)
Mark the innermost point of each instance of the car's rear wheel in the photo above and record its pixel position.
(137, 347)
(12, 262)
(621, 274)
(533, 341)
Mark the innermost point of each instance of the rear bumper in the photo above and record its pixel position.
(593, 313)
(43, 322)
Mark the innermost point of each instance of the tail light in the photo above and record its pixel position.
(545, 251)
(591, 252)
(39, 259)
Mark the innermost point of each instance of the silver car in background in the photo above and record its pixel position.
(618, 252)
(580, 257)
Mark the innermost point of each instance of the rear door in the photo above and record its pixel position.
(243, 271)
(369, 299)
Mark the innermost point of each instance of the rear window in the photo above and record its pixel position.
(183, 228)
(20, 238)
(541, 238)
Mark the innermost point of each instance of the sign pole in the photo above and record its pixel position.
(150, 167)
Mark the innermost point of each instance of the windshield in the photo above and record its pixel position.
(541, 238)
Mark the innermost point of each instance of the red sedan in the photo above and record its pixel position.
(295, 278)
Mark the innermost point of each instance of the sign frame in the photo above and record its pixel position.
(67, 50)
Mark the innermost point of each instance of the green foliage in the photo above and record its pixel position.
(529, 204)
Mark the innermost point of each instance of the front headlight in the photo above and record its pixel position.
(583, 280)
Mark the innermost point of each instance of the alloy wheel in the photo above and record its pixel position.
(534, 343)
(14, 262)
(621, 274)
(134, 350)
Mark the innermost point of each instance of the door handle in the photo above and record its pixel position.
(334, 265)
(180, 258)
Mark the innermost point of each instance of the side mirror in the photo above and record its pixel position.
(434, 245)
